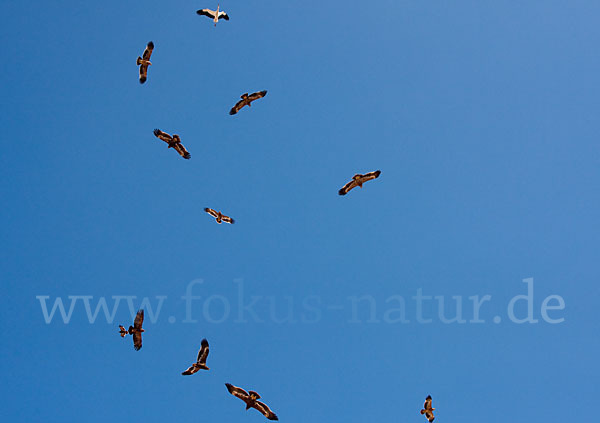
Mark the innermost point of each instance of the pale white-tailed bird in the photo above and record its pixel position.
(215, 15)
(144, 61)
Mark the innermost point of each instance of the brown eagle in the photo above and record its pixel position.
(246, 100)
(144, 61)
(358, 180)
(251, 400)
(174, 142)
(428, 409)
(220, 217)
(135, 330)
(200, 361)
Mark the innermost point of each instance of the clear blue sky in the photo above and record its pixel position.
(482, 116)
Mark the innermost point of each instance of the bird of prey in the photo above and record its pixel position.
(174, 142)
(428, 409)
(251, 400)
(215, 15)
(144, 61)
(220, 217)
(246, 100)
(135, 330)
(358, 180)
(200, 361)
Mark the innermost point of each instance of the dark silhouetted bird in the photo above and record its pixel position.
(251, 399)
(358, 180)
(246, 100)
(200, 361)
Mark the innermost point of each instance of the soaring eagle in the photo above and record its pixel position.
(200, 361)
(251, 400)
(246, 100)
(215, 15)
(174, 142)
(135, 330)
(358, 180)
(144, 61)
(220, 217)
(428, 409)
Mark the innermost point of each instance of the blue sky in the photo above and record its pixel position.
(482, 116)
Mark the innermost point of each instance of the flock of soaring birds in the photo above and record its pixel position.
(250, 398)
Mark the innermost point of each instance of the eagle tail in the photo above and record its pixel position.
(139, 60)
(422, 411)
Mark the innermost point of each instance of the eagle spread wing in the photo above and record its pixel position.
(346, 188)
(212, 212)
(256, 96)
(207, 12)
(203, 353)
(237, 392)
(191, 370)
(182, 151)
(237, 107)
(163, 136)
(148, 51)
(358, 180)
(371, 175)
(143, 66)
(137, 334)
(139, 320)
(143, 73)
(137, 341)
(228, 219)
(265, 410)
